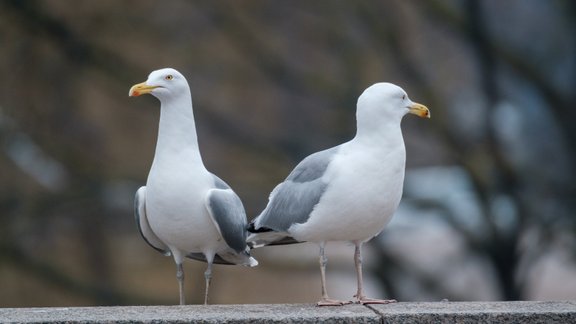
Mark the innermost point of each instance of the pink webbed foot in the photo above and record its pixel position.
(366, 301)
(331, 302)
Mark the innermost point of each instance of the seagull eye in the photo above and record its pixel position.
(169, 77)
(403, 97)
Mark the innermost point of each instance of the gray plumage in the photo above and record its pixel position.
(143, 226)
(201, 257)
(292, 201)
(227, 211)
(219, 183)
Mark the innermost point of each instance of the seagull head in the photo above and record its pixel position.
(387, 100)
(163, 83)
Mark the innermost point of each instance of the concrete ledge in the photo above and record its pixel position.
(441, 312)
(479, 312)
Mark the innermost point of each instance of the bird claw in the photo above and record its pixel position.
(332, 302)
(363, 300)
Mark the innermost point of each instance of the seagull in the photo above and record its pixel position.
(345, 193)
(184, 210)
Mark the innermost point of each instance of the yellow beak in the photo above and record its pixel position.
(419, 110)
(140, 89)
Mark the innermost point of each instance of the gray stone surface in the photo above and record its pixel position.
(440, 312)
(274, 313)
(479, 312)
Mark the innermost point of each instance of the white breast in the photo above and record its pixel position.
(364, 190)
(175, 206)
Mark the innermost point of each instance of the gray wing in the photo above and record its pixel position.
(292, 201)
(227, 213)
(142, 223)
(201, 257)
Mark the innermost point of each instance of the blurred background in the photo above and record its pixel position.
(488, 207)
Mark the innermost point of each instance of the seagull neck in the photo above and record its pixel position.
(177, 130)
(384, 135)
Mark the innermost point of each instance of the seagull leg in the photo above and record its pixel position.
(208, 276)
(326, 301)
(180, 277)
(360, 298)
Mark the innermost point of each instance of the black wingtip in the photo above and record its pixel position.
(252, 229)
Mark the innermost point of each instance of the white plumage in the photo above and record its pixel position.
(185, 210)
(346, 193)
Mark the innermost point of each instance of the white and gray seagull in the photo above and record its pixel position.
(345, 193)
(184, 210)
